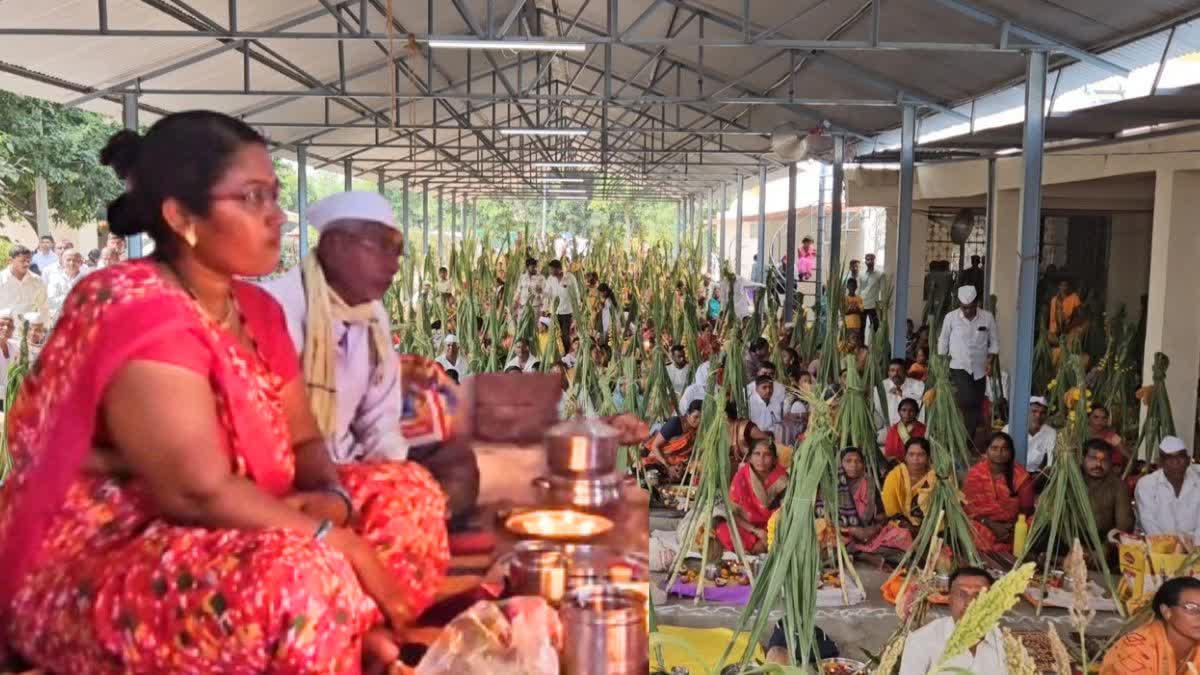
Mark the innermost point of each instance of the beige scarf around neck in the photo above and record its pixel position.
(325, 307)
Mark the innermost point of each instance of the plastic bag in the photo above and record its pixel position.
(519, 636)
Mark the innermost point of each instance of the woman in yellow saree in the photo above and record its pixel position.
(905, 496)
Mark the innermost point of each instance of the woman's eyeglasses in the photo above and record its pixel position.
(254, 197)
(1189, 608)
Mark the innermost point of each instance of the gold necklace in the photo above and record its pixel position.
(230, 305)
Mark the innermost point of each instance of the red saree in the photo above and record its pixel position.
(894, 442)
(753, 498)
(988, 497)
(96, 581)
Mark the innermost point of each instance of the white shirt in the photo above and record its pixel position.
(368, 412)
(23, 295)
(969, 341)
(460, 366)
(768, 415)
(529, 289)
(45, 261)
(570, 360)
(606, 313)
(701, 377)
(557, 290)
(60, 285)
(910, 388)
(1038, 447)
(680, 377)
(924, 647)
(694, 392)
(869, 285)
(1161, 512)
(530, 366)
(443, 287)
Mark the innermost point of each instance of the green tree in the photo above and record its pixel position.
(62, 145)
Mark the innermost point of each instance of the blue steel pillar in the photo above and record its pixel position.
(835, 229)
(129, 115)
(762, 224)
(903, 264)
(741, 192)
(1031, 225)
(302, 198)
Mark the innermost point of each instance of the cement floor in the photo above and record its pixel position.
(867, 625)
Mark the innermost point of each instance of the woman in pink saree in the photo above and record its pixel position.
(172, 507)
(755, 494)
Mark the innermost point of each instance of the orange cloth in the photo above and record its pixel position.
(893, 444)
(1065, 308)
(1145, 651)
(988, 497)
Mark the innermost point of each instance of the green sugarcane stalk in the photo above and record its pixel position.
(1158, 422)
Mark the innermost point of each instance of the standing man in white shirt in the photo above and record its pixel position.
(529, 287)
(452, 359)
(869, 284)
(1168, 500)
(923, 648)
(62, 279)
(898, 386)
(21, 290)
(968, 337)
(678, 370)
(558, 300)
(1040, 449)
(44, 257)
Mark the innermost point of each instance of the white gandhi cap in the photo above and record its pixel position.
(360, 205)
(966, 294)
(1171, 445)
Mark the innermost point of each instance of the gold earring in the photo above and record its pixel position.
(190, 236)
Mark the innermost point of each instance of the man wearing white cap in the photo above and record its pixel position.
(451, 359)
(336, 319)
(1040, 448)
(1168, 500)
(968, 337)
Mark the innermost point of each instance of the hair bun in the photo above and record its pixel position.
(123, 216)
(121, 152)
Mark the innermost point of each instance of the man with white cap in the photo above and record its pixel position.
(332, 302)
(452, 359)
(1039, 452)
(968, 337)
(1168, 500)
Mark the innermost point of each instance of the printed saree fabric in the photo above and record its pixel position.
(97, 581)
(1146, 651)
(990, 498)
(754, 499)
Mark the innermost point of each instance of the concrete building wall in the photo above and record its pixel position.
(1151, 189)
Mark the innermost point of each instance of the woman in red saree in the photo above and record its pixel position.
(755, 493)
(172, 507)
(900, 433)
(997, 490)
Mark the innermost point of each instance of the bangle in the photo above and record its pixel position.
(340, 491)
(322, 530)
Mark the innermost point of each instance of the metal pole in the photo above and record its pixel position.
(903, 264)
(789, 256)
(129, 115)
(835, 231)
(453, 216)
(991, 228)
(762, 224)
(302, 197)
(381, 183)
(724, 208)
(820, 232)
(425, 219)
(348, 172)
(1031, 224)
(439, 222)
(544, 207)
(741, 189)
(404, 207)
